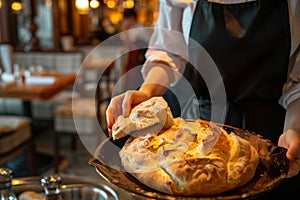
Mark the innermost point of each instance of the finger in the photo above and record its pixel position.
(293, 154)
(126, 104)
(291, 140)
(281, 141)
(109, 118)
(113, 110)
(293, 168)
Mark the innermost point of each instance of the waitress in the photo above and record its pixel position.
(255, 47)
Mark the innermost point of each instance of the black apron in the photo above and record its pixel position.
(250, 45)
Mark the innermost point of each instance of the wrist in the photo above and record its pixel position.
(292, 120)
(152, 89)
(156, 82)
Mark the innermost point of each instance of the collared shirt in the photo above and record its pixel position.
(169, 41)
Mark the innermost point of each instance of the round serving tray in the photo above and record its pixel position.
(272, 169)
(72, 187)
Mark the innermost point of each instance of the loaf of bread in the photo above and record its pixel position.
(179, 160)
(152, 116)
(31, 195)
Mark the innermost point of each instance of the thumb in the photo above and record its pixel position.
(290, 140)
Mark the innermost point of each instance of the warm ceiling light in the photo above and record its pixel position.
(94, 4)
(82, 6)
(16, 6)
(115, 17)
(128, 4)
(110, 4)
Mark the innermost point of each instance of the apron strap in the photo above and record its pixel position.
(293, 60)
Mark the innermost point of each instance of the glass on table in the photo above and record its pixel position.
(37, 69)
(18, 74)
(2, 83)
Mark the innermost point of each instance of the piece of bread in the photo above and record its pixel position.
(31, 195)
(150, 116)
(176, 161)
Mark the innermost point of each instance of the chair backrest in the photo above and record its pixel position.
(15, 132)
(63, 62)
(103, 56)
(102, 59)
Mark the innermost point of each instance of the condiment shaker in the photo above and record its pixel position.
(52, 185)
(6, 191)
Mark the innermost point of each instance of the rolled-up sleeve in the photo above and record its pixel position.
(291, 90)
(168, 41)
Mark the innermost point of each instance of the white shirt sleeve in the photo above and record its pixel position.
(168, 42)
(291, 90)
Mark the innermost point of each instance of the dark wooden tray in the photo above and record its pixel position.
(272, 169)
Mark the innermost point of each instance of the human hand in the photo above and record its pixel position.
(290, 140)
(122, 104)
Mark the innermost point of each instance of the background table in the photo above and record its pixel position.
(28, 92)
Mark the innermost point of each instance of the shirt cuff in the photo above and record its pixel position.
(176, 64)
(290, 96)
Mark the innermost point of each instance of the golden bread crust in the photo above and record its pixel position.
(152, 116)
(175, 162)
(181, 157)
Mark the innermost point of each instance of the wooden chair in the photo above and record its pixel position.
(64, 123)
(15, 133)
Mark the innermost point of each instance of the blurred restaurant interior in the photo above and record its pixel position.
(59, 69)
